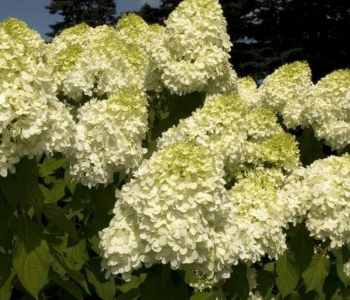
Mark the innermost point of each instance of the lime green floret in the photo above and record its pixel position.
(184, 159)
(67, 58)
(281, 150)
(29, 38)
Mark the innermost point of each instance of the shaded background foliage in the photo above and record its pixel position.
(92, 12)
(269, 33)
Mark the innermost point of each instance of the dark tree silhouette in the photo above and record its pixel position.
(268, 33)
(92, 12)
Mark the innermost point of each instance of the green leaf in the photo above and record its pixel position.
(55, 193)
(6, 286)
(237, 285)
(203, 296)
(339, 254)
(105, 289)
(32, 267)
(75, 275)
(30, 194)
(316, 273)
(35, 197)
(103, 198)
(6, 234)
(29, 232)
(133, 294)
(270, 267)
(310, 148)
(336, 296)
(75, 253)
(302, 247)
(134, 283)
(70, 183)
(266, 283)
(166, 284)
(6, 276)
(288, 274)
(293, 296)
(57, 216)
(50, 165)
(67, 284)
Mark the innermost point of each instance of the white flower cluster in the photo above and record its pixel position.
(132, 29)
(95, 62)
(220, 126)
(324, 106)
(31, 118)
(328, 109)
(320, 195)
(248, 91)
(259, 214)
(180, 209)
(286, 90)
(105, 68)
(225, 126)
(108, 137)
(192, 54)
(176, 210)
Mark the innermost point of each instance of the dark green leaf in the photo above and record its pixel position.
(56, 216)
(203, 296)
(105, 289)
(133, 294)
(302, 247)
(316, 273)
(189, 276)
(55, 193)
(270, 267)
(50, 165)
(339, 254)
(237, 285)
(6, 234)
(67, 284)
(75, 253)
(266, 282)
(6, 282)
(6, 276)
(75, 275)
(32, 267)
(293, 296)
(5, 266)
(70, 183)
(310, 148)
(134, 283)
(336, 296)
(103, 198)
(288, 274)
(29, 232)
(166, 284)
(35, 197)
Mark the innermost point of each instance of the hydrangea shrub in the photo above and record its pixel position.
(135, 164)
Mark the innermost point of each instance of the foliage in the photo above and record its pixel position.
(268, 34)
(93, 13)
(138, 150)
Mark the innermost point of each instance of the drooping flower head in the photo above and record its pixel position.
(320, 195)
(31, 119)
(286, 90)
(108, 137)
(97, 63)
(328, 109)
(192, 54)
(176, 211)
